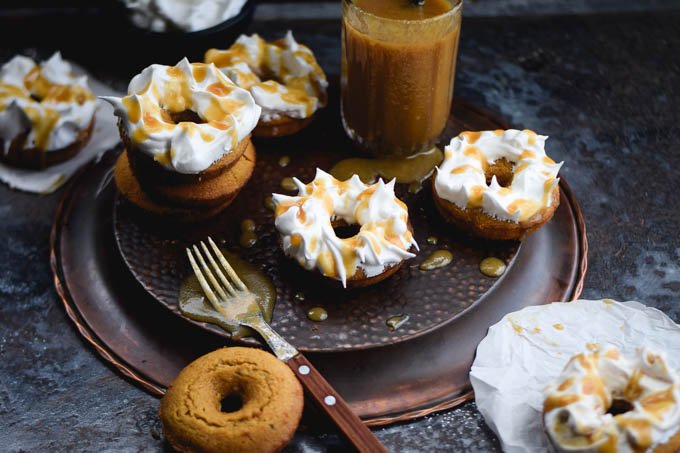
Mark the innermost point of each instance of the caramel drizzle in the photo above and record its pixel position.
(527, 208)
(301, 90)
(177, 97)
(654, 405)
(37, 89)
(327, 261)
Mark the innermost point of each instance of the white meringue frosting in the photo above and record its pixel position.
(575, 408)
(228, 114)
(283, 76)
(461, 179)
(186, 15)
(46, 100)
(305, 225)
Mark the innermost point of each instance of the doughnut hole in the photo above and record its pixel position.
(231, 394)
(502, 170)
(272, 76)
(188, 116)
(619, 407)
(231, 403)
(346, 231)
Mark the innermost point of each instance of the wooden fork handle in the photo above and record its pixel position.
(332, 403)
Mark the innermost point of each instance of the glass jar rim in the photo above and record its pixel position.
(457, 5)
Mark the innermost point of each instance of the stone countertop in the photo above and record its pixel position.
(605, 87)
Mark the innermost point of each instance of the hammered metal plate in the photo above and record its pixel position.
(155, 251)
(149, 345)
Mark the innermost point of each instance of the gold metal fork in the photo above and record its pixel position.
(229, 296)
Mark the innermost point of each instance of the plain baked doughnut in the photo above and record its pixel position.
(272, 403)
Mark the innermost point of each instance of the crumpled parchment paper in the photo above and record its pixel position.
(527, 349)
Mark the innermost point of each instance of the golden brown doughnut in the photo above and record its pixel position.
(477, 223)
(281, 127)
(272, 399)
(204, 193)
(147, 169)
(131, 191)
(37, 159)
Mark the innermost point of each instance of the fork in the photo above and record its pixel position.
(227, 294)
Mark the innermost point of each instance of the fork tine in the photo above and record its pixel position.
(217, 270)
(232, 274)
(204, 284)
(211, 278)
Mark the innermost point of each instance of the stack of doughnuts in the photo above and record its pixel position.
(46, 113)
(283, 77)
(187, 145)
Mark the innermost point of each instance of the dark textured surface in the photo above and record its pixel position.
(606, 88)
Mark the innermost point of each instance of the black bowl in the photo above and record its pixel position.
(144, 47)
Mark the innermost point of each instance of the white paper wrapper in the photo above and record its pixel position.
(104, 137)
(527, 349)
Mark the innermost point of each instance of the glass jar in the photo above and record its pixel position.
(397, 74)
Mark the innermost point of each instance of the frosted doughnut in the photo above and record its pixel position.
(283, 76)
(305, 223)
(185, 116)
(47, 100)
(528, 196)
(576, 405)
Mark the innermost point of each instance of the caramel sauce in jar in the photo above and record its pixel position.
(398, 66)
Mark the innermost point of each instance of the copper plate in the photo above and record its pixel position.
(385, 376)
